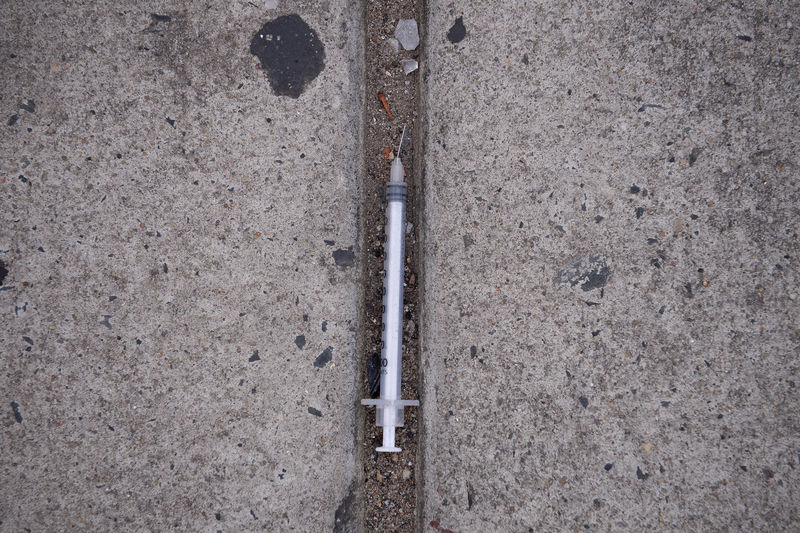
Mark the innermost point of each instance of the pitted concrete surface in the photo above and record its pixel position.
(181, 249)
(610, 333)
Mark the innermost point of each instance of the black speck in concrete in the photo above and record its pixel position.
(599, 218)
(688, 288)
(344, 258)
(324, 358)
(3, 272)
(591, 272)
(639, 212)
(28, 105)
(346, 516)
(744, 468)
(324, 325)
(28, 340)
(665, 404)
(218, 516)
(525, 59)
(608, 466)
(106, 321)
(645, 106)
(13, 119)
(112, 298)
(111, 427)
(329, 242)
(171, 122)
(17, 414)
(291, 53)
(457, 31)
(694, 154)
(634, 189)
(300, 341)
(473, 351)
(768, 473)
(584, 401)
(254, 357)
(745, 38)
(642, 475)
(160, 18)
(595, 333)
(253, 515)
(165, 268)
(315, 412)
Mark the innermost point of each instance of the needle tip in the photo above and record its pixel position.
(402, 136)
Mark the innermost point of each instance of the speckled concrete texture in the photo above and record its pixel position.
(610, 332)
(180, 304)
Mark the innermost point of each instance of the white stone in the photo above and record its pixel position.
(409, 65)
(407, 33)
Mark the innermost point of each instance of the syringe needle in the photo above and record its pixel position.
(402, 137)
(389, 408)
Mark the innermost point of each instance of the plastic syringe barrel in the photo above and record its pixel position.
(390, 408)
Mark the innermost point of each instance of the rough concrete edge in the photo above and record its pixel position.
(352, 506)
(420, 144)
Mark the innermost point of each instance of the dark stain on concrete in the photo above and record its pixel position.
(324, 358)
(28, 105)
(344, 258)
(590, 272)
(3, 272)
(300, 341)
(457, 31)
(291, 53)
(346, 516)
(254, 357)
(17, 414)
(695, 153)
(315, 412)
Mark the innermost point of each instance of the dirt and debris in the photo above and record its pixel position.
(390, 489)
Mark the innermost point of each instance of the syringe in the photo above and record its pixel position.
(389, 408)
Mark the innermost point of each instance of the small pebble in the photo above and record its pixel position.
(409, 66)
(407, 33)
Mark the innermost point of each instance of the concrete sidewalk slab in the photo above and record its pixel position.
(610, 331)
(180, 303)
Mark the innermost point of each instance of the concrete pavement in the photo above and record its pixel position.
(610, 330)
(180, 269)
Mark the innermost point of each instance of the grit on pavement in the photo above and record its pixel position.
(180, 275)
(610, 330)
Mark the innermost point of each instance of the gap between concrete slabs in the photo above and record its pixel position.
(389, 480)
